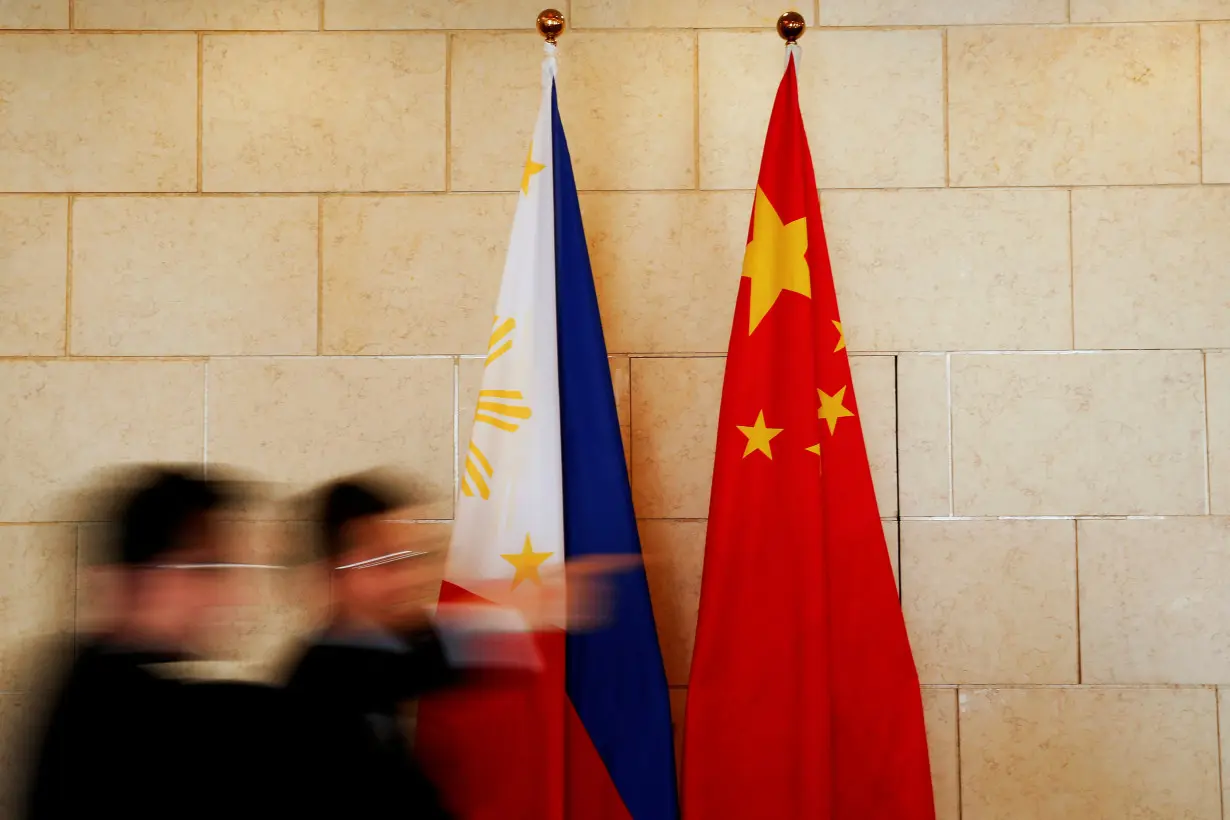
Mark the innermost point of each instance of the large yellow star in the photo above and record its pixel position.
(831, 408)
(526, 563)
(531, 168)
(759, 436)
(774, 259)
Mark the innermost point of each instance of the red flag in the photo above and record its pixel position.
(804, 698)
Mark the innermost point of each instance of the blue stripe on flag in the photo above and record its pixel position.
(616, 679)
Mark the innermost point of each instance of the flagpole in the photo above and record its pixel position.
(790, 27)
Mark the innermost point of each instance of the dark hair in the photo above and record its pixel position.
(154, 517)
(347, 500)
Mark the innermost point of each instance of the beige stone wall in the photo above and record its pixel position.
(269, 234)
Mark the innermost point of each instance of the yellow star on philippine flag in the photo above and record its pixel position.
(832, 409)
(531, 168)
(775, 259)
(526, 563)
(759, 436)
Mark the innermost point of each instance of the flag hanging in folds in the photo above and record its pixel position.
(804, 698)
(589, 737)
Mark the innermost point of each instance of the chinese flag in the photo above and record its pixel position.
(804, 699)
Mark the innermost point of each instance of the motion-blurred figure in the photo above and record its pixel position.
(127, 738)
(381, 648)
(123, 740)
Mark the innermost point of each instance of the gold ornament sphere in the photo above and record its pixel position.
(790, 26)
(550, 24)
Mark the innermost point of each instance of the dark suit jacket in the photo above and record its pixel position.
(116, 741)
(348, 692)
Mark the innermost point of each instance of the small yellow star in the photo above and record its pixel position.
(831, 408)
(815, 448)
(526, 563)
(841, 337)
(531, 168)
(775, 260)
(759, 436)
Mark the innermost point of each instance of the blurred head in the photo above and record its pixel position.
(382, 571)
(168, 542)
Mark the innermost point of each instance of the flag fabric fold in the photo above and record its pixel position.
(803, 700)
(544, 479)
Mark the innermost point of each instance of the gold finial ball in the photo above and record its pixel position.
(550, 24)
(790, 26)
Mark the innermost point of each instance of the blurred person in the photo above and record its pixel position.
(124, 737)
(383, 646)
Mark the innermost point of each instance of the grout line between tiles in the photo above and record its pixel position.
(205, 424)
(952, 497)
(321, 21)
(72, 14)
(1208, 471)
(960, 801)
(68, 280)
(1072, 268)
(1076, 547)
(1200, 99)
(448, 113)
(1221, 763)
(696, 109)
(320, 274)
(944, 101)
(897, 467)
(200, 112)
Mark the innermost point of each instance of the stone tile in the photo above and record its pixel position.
(159, 276)
(1089, 754)
(872, 103)
(642, 133)
(891, 540)
(621, 384)
(940, 12)
(194, 15)
(365, 112)
(37, 583)
(924, 459)
(876, 389)
(297, 422)
(993, 264)
(62, 421)
(416, 274)
(991, 601)
(674, 431)
(1223, 733)
(138, 109)
(639, 135)
(1217, 375)
(940, 713)
(674, 556)
(433, 14)
(33, 14)
(667, 267)
(1079, 434)
(1215, 98)
(1073, 105)
(1127, 243)
(33, 275)
(494, 90)
(1154, 599)
(700, 14)
(1129, 11)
